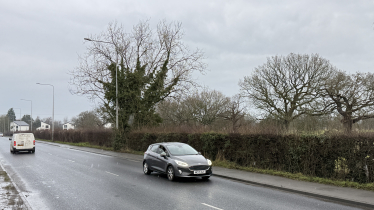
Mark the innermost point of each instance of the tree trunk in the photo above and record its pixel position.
(348, 123)
(286, 124)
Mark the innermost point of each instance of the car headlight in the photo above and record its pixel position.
(181, 163)
(209, 162)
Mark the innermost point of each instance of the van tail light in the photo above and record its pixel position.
(34, 142)
(14, 143)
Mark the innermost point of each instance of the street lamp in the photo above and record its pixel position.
(117, 67)
(31, 110)
(53, 110)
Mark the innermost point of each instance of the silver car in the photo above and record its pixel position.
(176, 160)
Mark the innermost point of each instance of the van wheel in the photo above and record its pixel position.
(11, 151)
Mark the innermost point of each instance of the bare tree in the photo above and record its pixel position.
(351, 95)
(142, 45)
(207, 106)
(235, 112)
(287, 87)
(202, 108)
(175, 112)
(87, 120)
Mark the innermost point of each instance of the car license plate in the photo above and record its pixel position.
(199, 172)
(21, 144)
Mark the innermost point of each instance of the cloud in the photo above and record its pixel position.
(41, 40)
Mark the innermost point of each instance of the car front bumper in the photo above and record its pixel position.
(186, 172)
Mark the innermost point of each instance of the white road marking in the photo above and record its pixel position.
(71, 161)
(49, 154)
(133, 160)
(211, 206)
(112, 173)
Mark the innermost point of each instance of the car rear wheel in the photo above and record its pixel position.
(170, 173)
(146, 169)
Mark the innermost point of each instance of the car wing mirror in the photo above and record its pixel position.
(10, 138)
(163, 154)
(199, 153)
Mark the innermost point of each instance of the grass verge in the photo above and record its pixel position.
(297, 176)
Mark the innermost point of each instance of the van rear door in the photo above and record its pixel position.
(24, 140)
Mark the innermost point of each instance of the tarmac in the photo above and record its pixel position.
(344, 195)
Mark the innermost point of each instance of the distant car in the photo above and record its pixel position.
(1, 134)
(176, 160)
(22, 142)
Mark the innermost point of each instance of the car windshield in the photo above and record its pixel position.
(181, 149)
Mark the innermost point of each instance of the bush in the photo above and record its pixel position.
(101, 137)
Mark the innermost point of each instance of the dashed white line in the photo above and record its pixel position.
(71, 161)
(133, 160)
(211, 206)
(111, 173)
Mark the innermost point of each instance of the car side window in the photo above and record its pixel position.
(162, 149)
(154, 149)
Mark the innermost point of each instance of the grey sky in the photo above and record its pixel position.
(41, 40)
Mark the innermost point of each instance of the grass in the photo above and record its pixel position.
(231, 165)
(297, 176)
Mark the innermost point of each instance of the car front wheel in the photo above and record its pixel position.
(170, 173)
(146, 169)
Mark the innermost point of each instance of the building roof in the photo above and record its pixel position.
(21, 123)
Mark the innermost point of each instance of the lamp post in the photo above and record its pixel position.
(117, 67)
(31, 111)
(53, 110)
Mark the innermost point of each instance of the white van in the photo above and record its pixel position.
(22, 142)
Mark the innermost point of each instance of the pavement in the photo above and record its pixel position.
(343, 195)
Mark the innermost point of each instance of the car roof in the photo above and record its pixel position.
(167, 143)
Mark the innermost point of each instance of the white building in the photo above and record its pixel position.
(19, 126)
(68, 126)
(44, 126)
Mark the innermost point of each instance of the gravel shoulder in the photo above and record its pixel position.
(9, 196)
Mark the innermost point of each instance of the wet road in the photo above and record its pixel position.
(62, 178)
